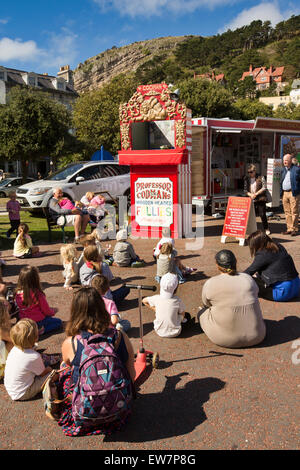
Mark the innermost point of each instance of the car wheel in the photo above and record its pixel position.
(128, 195)
(2, 194)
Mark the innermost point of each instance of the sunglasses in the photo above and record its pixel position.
(252, 171)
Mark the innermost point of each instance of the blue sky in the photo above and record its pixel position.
(41, 36)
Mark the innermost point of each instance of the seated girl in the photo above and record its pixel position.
(89, 318)
(32, 301)
(23, 247)
(273, 269)
(69, 257)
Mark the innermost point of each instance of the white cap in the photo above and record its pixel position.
(122, 234)
(168, 284)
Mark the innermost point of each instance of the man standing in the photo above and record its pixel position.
(73, 216)
(290, 193)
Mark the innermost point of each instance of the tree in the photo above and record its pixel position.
(246, 88)
(31, 126)
(290, 111)
(96, 114)
(205, 98)
(251, 109)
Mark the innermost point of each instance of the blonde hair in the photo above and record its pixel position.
(89, 195)
(166, 248)
(68, 253)
(23, 231)
(92, 255)
(24, 334)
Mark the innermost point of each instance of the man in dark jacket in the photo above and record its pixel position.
(290, 193)
(73, 216)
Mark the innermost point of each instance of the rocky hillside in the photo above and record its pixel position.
(98, 70)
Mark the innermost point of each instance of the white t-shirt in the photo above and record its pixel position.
(20, 371)
(167, 321)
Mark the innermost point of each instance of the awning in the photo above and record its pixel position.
(153, 157)
(277, 125)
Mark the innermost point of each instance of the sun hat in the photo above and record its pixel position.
(168, 284)
(226, 259)
(121, 235)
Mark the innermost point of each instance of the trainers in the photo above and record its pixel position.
(268, 232)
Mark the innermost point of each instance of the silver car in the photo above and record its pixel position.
(75, 180)
(11, 184)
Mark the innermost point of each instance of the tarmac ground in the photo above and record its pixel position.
(202, 396)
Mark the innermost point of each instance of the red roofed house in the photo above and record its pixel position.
(220, 78)
(264, 77)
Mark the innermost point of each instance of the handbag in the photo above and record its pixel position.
(51, 401)
(268, 196)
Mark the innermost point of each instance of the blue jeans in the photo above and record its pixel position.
(120, 294)
(50, 324)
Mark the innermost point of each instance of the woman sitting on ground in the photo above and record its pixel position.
(273, 269)
(232, 317)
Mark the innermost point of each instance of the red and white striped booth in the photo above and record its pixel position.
(156, 141)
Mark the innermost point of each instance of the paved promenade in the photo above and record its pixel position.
(202, 396)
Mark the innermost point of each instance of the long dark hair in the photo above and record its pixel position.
(259, 240)
(87, 313)
(29, 282)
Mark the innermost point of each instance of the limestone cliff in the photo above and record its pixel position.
(98, 70)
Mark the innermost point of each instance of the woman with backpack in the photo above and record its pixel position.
(99, 381)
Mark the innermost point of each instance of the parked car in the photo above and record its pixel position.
(75, 180)
(11, 184)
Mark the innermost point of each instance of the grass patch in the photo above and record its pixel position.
(38, 230)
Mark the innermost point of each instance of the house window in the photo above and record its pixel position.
(60, 85)
(31, 81)
(1, 75)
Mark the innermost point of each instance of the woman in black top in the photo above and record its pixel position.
(276, 275)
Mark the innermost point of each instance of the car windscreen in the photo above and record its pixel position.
(6, 181)
(65, 173)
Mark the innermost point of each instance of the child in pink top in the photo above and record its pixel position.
(32, 301)
(65, 203)
(13, 208)
(101, 284)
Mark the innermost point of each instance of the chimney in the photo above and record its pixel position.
(251, 68)
(66, 73)
(271, 69)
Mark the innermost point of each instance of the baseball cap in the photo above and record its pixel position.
(226, 259)
(168, 284)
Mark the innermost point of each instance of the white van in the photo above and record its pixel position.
(75, 180)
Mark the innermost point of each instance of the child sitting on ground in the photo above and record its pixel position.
(32, 301)
(5, 340)
(124, 254)
(25, 371)
(167, 263)
(93, 266)
(166, 238)
(169, 309)
(101, 284)
(69, 257)
(23, 247)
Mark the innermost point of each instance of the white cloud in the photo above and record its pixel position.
(3, 21)
(157, 7)
(15, 49)
(60, 49)
(265, 11)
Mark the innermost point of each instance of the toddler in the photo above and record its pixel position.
(101, 284)
(25, 371)
(124, 254)
(32, 301)
(69, 257)
(169, 309)
(23, 247)
(166, 263)
(13, 208)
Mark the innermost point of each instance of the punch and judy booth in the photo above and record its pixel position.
(156, 142)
